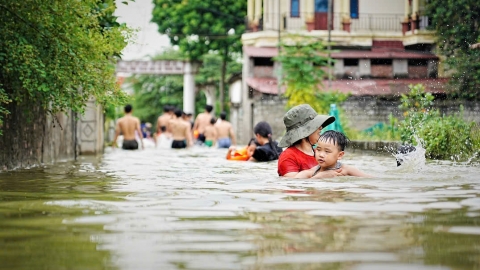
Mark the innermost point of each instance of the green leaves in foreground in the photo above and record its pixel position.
(457, 26)
(59, 54)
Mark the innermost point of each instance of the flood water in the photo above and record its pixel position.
(192, 209)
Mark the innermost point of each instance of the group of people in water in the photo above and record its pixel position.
(303, 152)
(177, 127)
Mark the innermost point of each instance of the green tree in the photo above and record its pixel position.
(59, 54)
(457, 26)
(303, 70)
(199, 27)
(151, 92)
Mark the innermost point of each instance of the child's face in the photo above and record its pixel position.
(327, 154)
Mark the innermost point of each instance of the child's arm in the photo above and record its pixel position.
(329, 173)
(306, 173)
(352, 171)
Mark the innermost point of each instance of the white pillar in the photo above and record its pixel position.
(400, 68)
(307, 10)
(251, 10)
(364, 68)
(189, 88)
(209, 91)
(345, 10)
(339, 68)
(414, 9)
(407, 10)
(258, 10)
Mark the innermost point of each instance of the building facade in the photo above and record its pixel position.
(379, 47)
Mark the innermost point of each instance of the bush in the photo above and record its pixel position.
(443, 137)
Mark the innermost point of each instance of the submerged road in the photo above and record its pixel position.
(192, 209)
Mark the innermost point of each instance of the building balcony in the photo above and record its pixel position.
(345, 30)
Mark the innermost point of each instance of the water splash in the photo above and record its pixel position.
(413, 159)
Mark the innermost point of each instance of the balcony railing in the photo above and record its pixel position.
(365, 22)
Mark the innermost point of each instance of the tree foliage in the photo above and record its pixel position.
(59, 54)
(303, 70)
(152, 93)
(457, 25)
(199, 27)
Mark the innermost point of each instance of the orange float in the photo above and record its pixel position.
(240, 154)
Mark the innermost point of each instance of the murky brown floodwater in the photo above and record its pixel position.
(192, 209)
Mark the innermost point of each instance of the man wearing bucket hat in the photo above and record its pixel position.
(303, 131)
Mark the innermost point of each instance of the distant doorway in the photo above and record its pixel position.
(321, 14)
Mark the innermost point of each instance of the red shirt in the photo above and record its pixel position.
(294, 160)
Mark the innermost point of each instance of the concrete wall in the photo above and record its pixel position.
(32, 137)
(263, 72)
(260, 108)
(271, 110)
(90, 130)
(365, 111)
(359, 112)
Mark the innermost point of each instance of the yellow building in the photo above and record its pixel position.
(380, 47)
(354, 22)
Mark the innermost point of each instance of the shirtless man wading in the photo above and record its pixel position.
(181, 131)
(202, 121)
(162, 121)
(127, 125)
(225, 134)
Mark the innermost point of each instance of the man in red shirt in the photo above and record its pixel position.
(304, 126)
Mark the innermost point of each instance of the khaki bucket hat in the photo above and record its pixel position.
(301, 121)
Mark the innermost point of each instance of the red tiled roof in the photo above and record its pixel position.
(265, 85)
(388, 54)
(384, 54)
(360, 87)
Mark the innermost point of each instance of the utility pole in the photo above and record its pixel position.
(279, 70)
(329, 47)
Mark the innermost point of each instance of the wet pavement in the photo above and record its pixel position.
(192, 209)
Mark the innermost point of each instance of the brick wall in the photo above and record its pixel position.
(418, 72)
(382, 71)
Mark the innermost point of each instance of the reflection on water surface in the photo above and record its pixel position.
(192, 209)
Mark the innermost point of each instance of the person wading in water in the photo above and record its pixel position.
(226, 136)
(202, 121)
(127, 126)
(181, 132)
